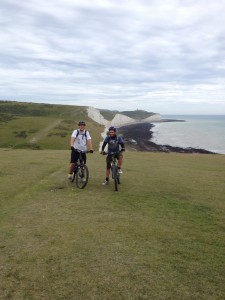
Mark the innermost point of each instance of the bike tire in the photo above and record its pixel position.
(118, 178)
(82, 177)
(112, 172)
(115, 176)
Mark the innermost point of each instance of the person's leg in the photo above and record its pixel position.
(120, 161)
(84, 157)
(107, 172)
(72, 167)
(73, 161)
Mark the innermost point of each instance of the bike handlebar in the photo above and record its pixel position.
(111, 153)
(80, 151)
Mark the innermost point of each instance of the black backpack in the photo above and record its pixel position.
(83, 134)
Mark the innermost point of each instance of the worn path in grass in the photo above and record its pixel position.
(44, 132)
(160, 237)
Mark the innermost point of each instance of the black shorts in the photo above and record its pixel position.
(109, 159)
(75, 156)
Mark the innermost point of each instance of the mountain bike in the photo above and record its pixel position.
(114, 169)
(81, 172)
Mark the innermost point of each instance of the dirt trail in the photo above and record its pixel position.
(42, 133)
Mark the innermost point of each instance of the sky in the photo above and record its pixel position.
(161, 56)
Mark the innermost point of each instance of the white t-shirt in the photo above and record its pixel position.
(80, 141)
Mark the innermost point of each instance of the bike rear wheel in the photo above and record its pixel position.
(115, 176)
(82, 176)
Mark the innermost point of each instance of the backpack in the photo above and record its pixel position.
(83, 134)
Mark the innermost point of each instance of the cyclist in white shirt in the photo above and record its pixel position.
(79, 142)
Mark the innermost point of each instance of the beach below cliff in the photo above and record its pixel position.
(137, 137)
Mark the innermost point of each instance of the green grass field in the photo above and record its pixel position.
(160, 237)
(42, 126)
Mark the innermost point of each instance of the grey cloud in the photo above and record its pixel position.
(112, 51)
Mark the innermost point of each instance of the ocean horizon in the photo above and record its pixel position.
(196, 131)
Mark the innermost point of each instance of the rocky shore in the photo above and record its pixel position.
(137, 137)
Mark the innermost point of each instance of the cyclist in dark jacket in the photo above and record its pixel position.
(115, 145)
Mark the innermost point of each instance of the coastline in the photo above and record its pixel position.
(137, 137)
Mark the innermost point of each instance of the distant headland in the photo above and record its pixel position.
(135, 126)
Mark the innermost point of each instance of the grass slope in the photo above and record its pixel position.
(108, 114)
(160, 237)
(135, 114)
(42, 126)
(138, 114)
(46, 126)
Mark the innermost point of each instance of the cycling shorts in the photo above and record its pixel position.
(109, 159)
(75, 156)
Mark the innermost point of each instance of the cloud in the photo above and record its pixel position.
(129, 54)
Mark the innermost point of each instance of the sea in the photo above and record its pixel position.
(196, 131)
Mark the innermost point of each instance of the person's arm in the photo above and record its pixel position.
(103, 145)
(89, 144)
(72, 139)
(122, 144)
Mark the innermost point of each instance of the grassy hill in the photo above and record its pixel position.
(135, 114)
(108, 114)
(42, 126)
(160, 237)
(47, 126)
(138, 114)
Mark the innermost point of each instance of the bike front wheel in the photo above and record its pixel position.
(82, 176)
(115, 177)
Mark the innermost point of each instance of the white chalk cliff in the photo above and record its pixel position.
(119, 119)
(95, 115)
(155, 117)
